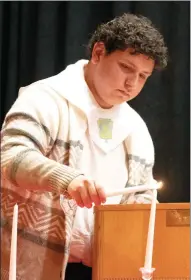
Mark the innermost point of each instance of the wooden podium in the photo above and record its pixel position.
(120, 237)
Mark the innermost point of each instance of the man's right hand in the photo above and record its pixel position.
(85, 192)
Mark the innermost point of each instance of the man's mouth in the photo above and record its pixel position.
(124, 93)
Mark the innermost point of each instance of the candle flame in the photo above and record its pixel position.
(160, 184)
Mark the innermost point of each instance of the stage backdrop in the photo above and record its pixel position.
(39, 39)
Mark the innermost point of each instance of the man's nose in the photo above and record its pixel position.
(131, 80)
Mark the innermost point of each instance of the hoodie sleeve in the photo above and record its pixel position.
(28, 134)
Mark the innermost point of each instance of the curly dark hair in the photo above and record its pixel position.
(131, 31)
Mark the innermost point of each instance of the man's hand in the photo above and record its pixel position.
(85, 192)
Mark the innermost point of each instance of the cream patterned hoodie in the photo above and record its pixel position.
(41, 146)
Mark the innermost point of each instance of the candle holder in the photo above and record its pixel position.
(147, 273)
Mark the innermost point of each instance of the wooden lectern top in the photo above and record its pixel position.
(128, 207)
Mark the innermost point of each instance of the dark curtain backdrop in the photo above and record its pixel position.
(39, 39)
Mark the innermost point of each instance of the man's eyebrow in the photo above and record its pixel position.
(134, 66)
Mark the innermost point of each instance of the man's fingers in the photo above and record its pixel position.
(94, 196)
(84, 193)
(75, 194)
(101, 193)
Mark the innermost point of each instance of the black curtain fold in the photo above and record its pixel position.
(39, 39)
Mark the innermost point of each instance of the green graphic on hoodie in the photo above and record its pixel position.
(105, 128)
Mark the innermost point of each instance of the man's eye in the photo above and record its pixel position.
(125, 66)
(143, 76)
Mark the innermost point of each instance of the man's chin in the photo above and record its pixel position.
(119, 101)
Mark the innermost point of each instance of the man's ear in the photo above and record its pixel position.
(98, 52)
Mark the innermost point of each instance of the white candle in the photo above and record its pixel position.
(13, 255)
(150, 237)
(128, 190)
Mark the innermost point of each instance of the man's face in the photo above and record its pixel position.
(119, 76)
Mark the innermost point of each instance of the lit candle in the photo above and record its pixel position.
(135, 189)
(150, 237)
(13, 255)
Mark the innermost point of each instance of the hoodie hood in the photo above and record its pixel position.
(71, 85)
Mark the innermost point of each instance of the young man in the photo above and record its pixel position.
(70, 138)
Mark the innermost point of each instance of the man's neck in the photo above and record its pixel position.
(89, 82)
